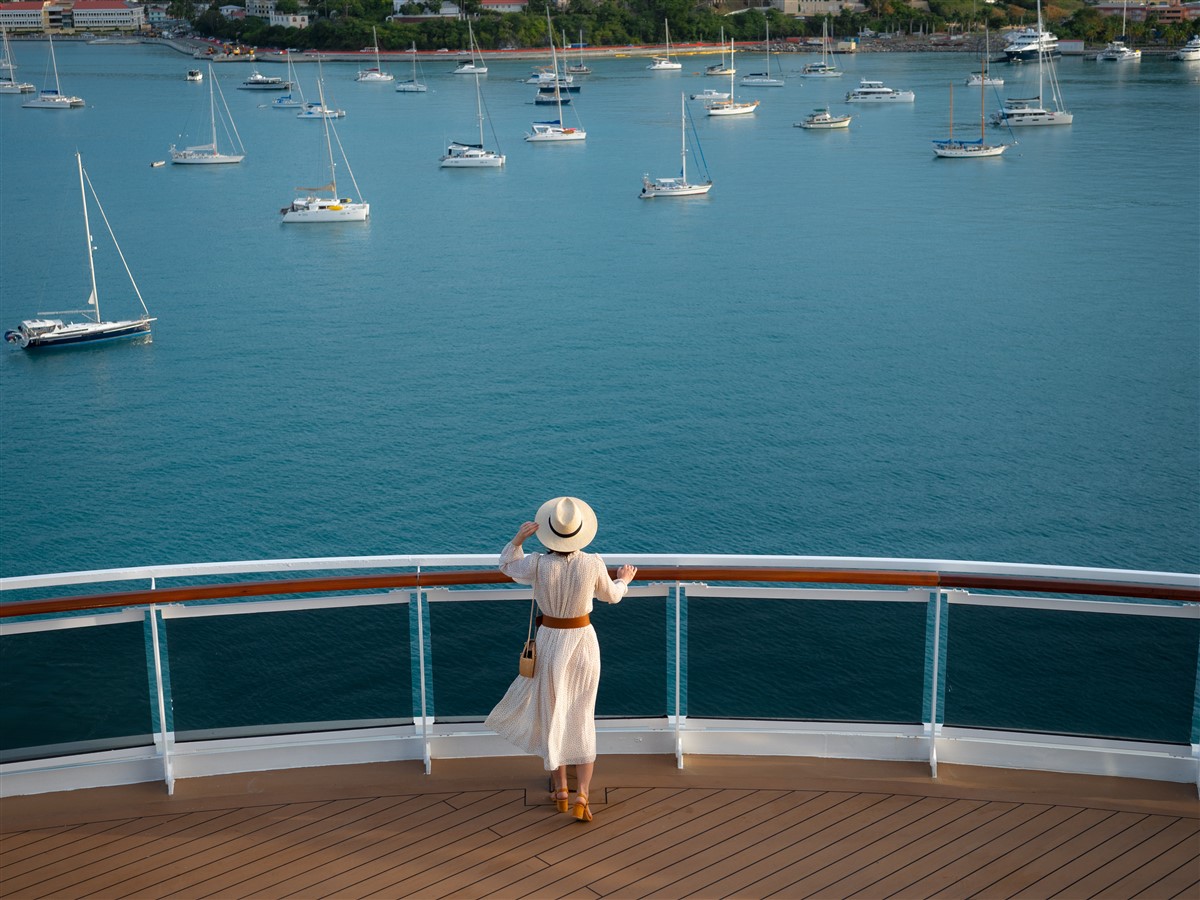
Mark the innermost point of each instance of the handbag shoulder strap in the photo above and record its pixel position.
(532, 601)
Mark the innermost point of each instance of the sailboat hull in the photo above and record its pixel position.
(672, 187)
(951, 150)
(731, 108)
(72, 334)
(411, 87)
(318, 209)
(485, 159)
(202, 157)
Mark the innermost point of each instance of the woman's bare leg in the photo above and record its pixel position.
(583, 778)
(560, 779)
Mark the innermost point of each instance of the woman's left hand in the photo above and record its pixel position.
(626, 573)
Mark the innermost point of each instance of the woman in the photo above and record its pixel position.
(552, 714)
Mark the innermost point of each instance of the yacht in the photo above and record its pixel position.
(876, 92)
(665, 62)
(259, 82)
(195, 75)
(822, 118)
(375, 73)
(1118, 51)
(1024, 45)
(984, 79)
(1189, 52)
(320, 111)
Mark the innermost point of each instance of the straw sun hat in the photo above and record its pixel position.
(565, 524)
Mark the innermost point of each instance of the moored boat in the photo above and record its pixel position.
(822, 118)
(1189, 52)
(259, 82)
(869, 91)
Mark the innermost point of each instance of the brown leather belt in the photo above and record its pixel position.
(577, 622)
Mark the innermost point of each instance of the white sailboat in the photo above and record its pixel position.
(472, 156)
(412, 85)
(824, 68)
(731, 106)
(289, 100)
(39, 333)
(209, 154)
(8, 83)
(317, 208)
(665, 63)
(676, 187)
(579, 68)
(960, 149)
(543, 132)
(721, 68)
(320, 109)
(1039, 110)
(763, 79)
(983, 77)
(474, 65)
(53, 98)
(375, 75)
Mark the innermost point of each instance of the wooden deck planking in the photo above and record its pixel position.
(484, 831)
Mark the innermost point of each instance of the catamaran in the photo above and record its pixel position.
(474, 65)
(472, 156)
(52, 97)
(665, 63)
(1039, 110)
(412, 85)
(35, 334)
(9, 84)
(375, 74)
(209, 154)
(316, 208)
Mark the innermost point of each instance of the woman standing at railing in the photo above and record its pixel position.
(553, 714)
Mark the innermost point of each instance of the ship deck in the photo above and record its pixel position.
(723, 827)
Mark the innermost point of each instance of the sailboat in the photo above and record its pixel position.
(52, 98)
(35, 334)
(288, 101)
(8, 84)
(208, 154)
(473, 156)
(321, 109)
(314, 208)
(375, 74)
(474, 65)
(764, 79)
(579, 68)
(731, 106)
(676, 187)
(960, 149)
(983, 77)
(556, 130)
(721, 68)
(1025, 111)
(823, 69)
(412, 85)
(665, 63)
(1117, 51)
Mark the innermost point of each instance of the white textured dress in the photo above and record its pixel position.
(553, 714)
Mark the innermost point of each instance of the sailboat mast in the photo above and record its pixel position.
(554, 62)
(479, 109)
(57, 86)
(328, 145)
(212, 108)
(682, 139)
(94, 299)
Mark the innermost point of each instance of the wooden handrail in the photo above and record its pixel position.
(394, 580)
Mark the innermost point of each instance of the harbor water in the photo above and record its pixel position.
(848, 347)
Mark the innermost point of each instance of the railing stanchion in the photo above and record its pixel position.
(423, 716)
(934, 649)
(678, 678)
(163, 734)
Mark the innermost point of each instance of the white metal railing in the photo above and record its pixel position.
(427, 738)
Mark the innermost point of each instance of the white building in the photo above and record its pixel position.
(289, 20)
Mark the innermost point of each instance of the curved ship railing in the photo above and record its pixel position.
(331, 661)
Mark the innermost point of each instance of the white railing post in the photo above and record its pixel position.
(163, 734)
(678, 678)
(935, 682)
(423, 727)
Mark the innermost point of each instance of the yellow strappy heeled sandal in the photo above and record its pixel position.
(582, 812)
(560, 798)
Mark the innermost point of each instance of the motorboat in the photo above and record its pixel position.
(47, 333)
(259, 82)
(1189, 52)
(1118, 51)
(876, 92)
(1026, 44)
(710, 94)
(195, 75)
(822, 118)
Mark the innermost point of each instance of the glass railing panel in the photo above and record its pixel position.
(806, 659)
(79, 686)
(1091, 674)
(476, 645)
(232, 674)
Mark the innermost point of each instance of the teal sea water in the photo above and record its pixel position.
(849, 347)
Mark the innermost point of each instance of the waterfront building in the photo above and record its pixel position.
(70, 16)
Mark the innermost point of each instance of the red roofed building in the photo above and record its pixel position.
(68, 16)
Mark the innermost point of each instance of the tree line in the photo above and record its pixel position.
(347, 24)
